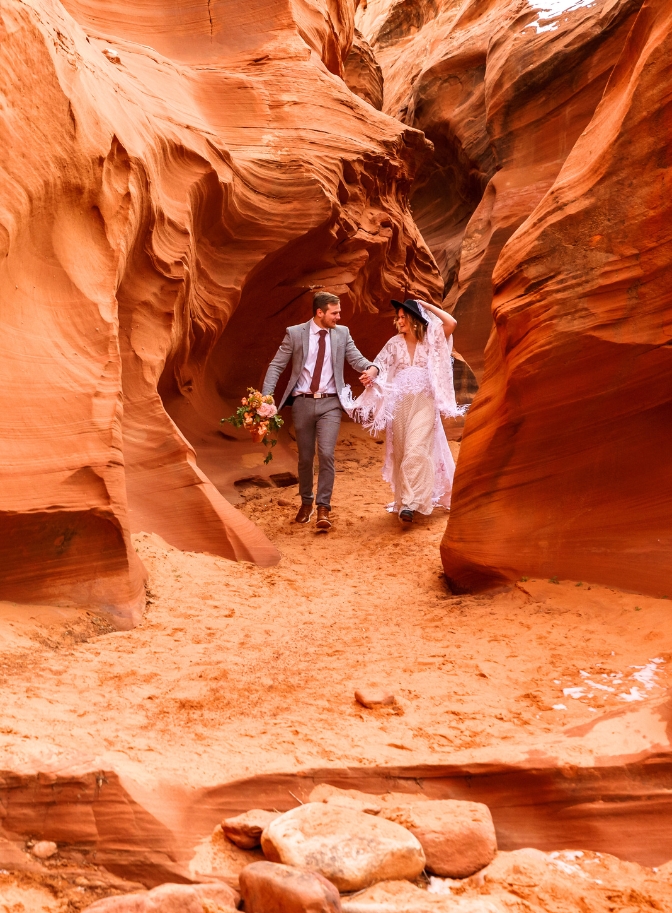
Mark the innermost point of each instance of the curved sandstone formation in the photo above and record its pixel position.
(503, 89)
(176, 179)
(362, 73)
(564, 468)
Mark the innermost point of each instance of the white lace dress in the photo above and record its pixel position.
(407, 400)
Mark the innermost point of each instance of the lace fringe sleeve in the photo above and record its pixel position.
(440, 365)
(370, 408)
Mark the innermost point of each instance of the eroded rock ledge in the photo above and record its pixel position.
(617, 808)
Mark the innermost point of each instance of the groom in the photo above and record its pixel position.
(318, 350)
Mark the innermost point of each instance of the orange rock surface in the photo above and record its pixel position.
(362, 72)
(564, 468)
(503, 89)
(175, 179)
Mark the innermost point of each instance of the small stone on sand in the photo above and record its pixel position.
(371, 698)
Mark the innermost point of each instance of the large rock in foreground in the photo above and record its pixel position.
(270, 888)
(565, 464)
(458, 838)
(350, 848)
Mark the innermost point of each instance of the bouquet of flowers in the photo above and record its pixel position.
(258, 415)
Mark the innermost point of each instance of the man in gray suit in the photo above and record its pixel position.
(318, 350)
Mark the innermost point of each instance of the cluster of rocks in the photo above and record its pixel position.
(341, 851)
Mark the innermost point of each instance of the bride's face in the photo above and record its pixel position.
(402, 322)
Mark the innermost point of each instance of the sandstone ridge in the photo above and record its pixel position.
(552, 479)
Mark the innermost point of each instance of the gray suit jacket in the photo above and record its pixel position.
(295, 346)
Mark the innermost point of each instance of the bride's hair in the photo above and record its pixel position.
(419, 329)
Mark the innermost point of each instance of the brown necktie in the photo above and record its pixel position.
(317, 373)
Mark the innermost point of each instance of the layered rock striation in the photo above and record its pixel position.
(564, 465)
(176, 179)
(362, 72)
(503, 89)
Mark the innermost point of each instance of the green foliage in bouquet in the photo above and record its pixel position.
(258, 415)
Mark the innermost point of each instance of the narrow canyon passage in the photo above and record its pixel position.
(178, 181)
(238, 670)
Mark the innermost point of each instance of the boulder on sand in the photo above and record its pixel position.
(350, 848)
(458, 838)
(245, 830)
(44, 849)
(172, 898)
(267, 887)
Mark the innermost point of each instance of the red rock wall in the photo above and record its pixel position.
(617, 807)
(503, 94)
(564, 468)
(362, 73)
(176, 178)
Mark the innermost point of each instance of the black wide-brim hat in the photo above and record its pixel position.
(411, 307)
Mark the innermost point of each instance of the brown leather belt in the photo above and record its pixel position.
(315, 395)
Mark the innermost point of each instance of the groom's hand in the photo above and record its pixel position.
(369, 375)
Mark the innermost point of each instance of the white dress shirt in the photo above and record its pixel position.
(327, 382)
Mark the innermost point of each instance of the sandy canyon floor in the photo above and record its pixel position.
(238, 671)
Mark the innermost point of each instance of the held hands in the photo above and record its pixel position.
(368, 376)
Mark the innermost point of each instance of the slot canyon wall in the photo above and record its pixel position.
(503, 91)
(566, 464)
(176, 179)
(546, 205)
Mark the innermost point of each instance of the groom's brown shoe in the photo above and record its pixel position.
(304, 514)
(323, 521)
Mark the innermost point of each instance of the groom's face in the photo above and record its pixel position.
(331, 316)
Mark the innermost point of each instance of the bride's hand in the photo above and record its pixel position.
(448, 321)
(368, 376)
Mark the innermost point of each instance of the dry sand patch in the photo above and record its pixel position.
(238, 670)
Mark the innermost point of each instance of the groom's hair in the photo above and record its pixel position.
(322, 300)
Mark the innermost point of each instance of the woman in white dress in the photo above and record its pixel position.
(413, 390)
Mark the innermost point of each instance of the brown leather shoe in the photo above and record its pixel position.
(304, 514)
(323, 521)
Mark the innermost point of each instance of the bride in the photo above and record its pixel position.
(413, 389)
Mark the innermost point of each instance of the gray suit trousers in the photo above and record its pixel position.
(316, 420)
